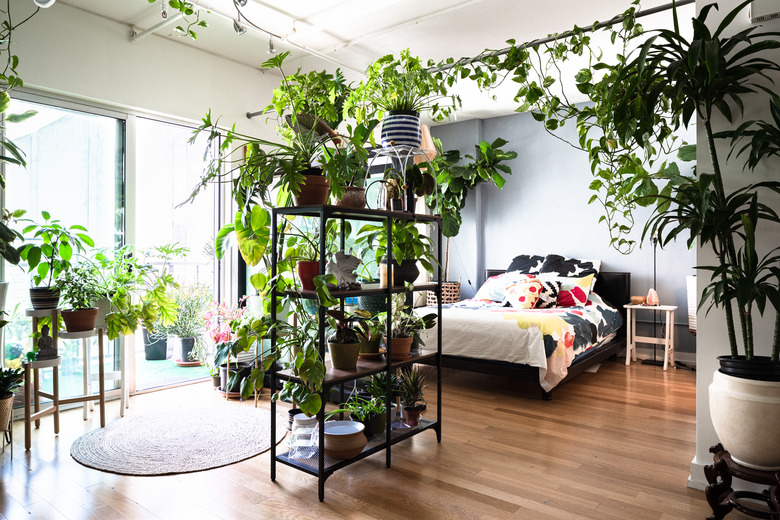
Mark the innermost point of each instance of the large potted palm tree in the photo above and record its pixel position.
(711, 76)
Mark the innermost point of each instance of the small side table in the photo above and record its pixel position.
(722, 498)
(632, 339)
(31, 373)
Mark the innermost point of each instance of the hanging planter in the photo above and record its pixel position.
(401, 127)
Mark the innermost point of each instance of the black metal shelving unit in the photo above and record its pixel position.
(320, 466)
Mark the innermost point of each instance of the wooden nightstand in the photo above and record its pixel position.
(667, 341)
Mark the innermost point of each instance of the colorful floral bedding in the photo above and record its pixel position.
(545, 338)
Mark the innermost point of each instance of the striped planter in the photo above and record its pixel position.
(401, 129)
(44, 297)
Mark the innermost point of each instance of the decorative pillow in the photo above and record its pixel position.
(494, 287)
(524, 293)
(574, 291)
(548, 298)
(563, 266)
(526, 264)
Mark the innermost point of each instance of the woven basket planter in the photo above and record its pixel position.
(450, 293)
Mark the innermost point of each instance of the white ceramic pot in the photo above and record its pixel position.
(746, 417)
(302, 421)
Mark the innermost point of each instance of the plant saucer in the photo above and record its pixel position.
(372, 354)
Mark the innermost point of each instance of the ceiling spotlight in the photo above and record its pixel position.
(241, 3)
(240, 29)
(271, 48)
(43, 3)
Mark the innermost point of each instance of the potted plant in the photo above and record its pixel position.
(709, 76)
(137, 291)
(48, 249)
(10, 380)
(185, 332)
(409, 247)
(398, 89)
(7, 251)
(457, 181)
(346, 165)
(405, 326)
(413, 383)
(81, 288)
(371, 412)
(369, 333)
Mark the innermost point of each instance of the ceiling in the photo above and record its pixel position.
(350, 34)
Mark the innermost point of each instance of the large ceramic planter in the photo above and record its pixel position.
(344, 356)
(746, 417)
(344, 439)
(399, 348)
(80, 320)
(401, 128)
(154, 349)
(313, 191)
(44, 297)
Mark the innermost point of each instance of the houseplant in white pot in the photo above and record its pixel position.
(710, 76)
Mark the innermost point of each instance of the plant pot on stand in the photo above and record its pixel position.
(44, 297)
(412, 414)
(399, 348)
(745, 411)
(79, 320)
(182, 348)
(401, 128)
(354, 197)
(344, 356)
(307, 270)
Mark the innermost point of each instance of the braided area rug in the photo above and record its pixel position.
(180, 440)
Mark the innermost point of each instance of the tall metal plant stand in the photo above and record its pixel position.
(721, 496)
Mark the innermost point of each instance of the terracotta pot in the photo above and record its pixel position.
(746, 416)
(399, 348)
(354, 197)
(44, 297)
(307, 270)
(80, 320)
(344, 439)
(314, 191)
(344, 356)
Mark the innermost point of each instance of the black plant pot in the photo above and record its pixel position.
(406, 271)
(760, 368)
(154, 349)
(244, 369)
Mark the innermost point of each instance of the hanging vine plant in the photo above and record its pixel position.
(627, 172)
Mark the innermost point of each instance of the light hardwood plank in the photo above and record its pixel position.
(612, 445)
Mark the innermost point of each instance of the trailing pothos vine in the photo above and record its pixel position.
(626, 173)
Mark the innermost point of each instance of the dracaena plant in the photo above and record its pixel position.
(711, 74)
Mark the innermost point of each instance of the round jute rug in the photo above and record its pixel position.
(180, 440)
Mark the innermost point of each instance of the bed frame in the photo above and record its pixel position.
(612, 287)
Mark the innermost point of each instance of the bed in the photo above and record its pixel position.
(539, 347)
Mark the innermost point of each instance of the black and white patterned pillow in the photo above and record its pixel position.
(548, 297)
(531, 264)
(569, 267)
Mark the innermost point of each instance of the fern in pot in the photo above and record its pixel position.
(185, 333)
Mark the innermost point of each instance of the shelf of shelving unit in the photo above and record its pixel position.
(319, 465)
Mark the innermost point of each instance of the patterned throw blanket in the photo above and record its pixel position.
(546, 338)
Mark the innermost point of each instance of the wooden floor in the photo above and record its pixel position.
(616, 444)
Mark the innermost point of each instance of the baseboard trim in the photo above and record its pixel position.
(687, 358)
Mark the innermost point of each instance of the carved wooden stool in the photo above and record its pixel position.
(722, 498)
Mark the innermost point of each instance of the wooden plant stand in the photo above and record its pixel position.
(722, 498)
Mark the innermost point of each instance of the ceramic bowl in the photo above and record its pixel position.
(344, 439)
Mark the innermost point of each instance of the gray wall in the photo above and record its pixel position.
(543, 209)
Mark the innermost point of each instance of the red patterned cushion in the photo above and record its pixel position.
(523, 294)
(574, 291)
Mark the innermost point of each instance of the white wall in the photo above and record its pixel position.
(712, 338)
(81, 55)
